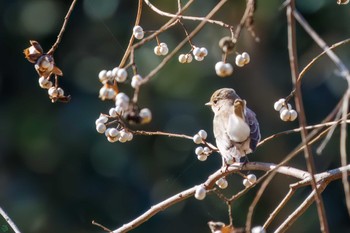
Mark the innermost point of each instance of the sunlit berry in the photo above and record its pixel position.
(45, 83)
(246, 57)
(136, 81)
(240, 61)
(202, 157)
(182, 58)
(197, 139)
(246, 183)
(53, 92)
(102, 76)
(102, 119)
(101, 128)
(122, 74)
(189, 58)
(222, 183)
(251, 178)
(293, 115)
(258, 229)
(203, 134)
(146, 115)
(285, 115)
(199, 150)
(200, 192)
(279, 104)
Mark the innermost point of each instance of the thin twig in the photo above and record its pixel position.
(343, 154)
(332, 123)
(182, 43)
(323, 179)
(249, 10)
(131, 41)
(166, 14)
(298, 211)
(63, 28)
(300, 108)
(279, 207)
(11, 224)
(258, 195)
(210, 183)
(344, 71)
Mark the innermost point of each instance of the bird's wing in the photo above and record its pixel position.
(254, 128)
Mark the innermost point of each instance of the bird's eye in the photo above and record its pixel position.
(215, 101)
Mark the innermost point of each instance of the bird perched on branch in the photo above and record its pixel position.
(236, 128)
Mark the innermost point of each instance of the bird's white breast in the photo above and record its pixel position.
(238, 130)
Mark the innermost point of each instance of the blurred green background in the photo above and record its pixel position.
(57, 174)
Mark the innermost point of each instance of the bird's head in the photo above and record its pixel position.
(223, 95)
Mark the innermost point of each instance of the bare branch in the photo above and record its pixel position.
(60, 35)
(300, 108)
(10, 223)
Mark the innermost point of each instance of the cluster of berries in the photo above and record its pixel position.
(161, 49)
(250, 180)
(138, 32)
(46, 68)
(124, 110)
(107, 77)
(224, 69)
(201, 152)
(287, 113)
(112, 134)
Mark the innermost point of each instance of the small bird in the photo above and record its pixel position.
(235, 126)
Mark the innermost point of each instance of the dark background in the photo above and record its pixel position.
(57, 174)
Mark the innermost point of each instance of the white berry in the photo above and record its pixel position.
(285, 115)
(102, 76)
(202, 157)
(258, 229)
(246, 183)
(251, 178)
(111, 139)
(156, 50)
(206, 150)
(203, 134)
(196, 51)
(189, 58)
(102, 119)
(113, 132)
(197, 139)
(199, 150)
(198, 58)
(279, 104)
(222, 183)
(240, 61)
(146, 115)
(203, 52)
(293, 115)
(101, 128)
(60, 92)
(246, 57)
(136, 80)
(53, 92)
(139, 35)
(182, 58)
(112, 112)
(45, 83)
(200, 193)
(137, 28)
(121, 75)
(163, 48)
(223, 69)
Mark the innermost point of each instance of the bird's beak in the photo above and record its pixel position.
(208, 104)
